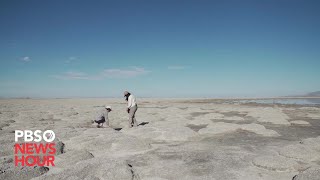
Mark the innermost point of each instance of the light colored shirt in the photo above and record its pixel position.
(103, 115)
(131, 101)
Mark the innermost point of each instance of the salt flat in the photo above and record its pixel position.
(176, 139)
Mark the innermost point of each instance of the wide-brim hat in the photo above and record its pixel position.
(125, 93)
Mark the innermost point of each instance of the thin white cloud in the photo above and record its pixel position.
(26, 59)
(71, 75)
(176, 67)
(106, 73)
(71, 59)
(124, 73)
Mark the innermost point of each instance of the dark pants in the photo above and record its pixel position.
(100, 121)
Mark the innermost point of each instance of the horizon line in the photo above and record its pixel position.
(215, 98)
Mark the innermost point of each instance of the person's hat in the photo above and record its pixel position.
(125, 93)
(108, 107)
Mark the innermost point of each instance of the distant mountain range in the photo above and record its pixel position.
(313, 94)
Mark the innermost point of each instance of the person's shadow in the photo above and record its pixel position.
(143, 123)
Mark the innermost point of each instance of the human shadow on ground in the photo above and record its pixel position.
(143, 123)
(117, 129)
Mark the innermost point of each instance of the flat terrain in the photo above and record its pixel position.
(176, 139)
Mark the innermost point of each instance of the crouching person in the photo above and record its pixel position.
(102, 119)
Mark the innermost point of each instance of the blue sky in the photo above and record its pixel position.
(159, 48)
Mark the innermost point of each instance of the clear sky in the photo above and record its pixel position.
(159, 48)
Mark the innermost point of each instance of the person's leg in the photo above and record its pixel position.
(107, 123)
(132, 115)
(100, 123)
(135, 124)
(130, 119)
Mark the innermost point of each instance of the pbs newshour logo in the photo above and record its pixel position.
(34, 148)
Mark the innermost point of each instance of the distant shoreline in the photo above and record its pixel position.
(193, 98)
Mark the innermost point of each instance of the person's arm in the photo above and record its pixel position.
(129, 101)
(106, 118)
(100, 116)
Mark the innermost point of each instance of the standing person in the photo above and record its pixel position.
(131, 109)
(103, 117)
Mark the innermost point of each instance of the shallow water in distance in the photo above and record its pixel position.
(284, 101)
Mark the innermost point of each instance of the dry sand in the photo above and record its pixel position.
(176, 139)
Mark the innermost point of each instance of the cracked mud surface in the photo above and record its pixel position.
(189, 139)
